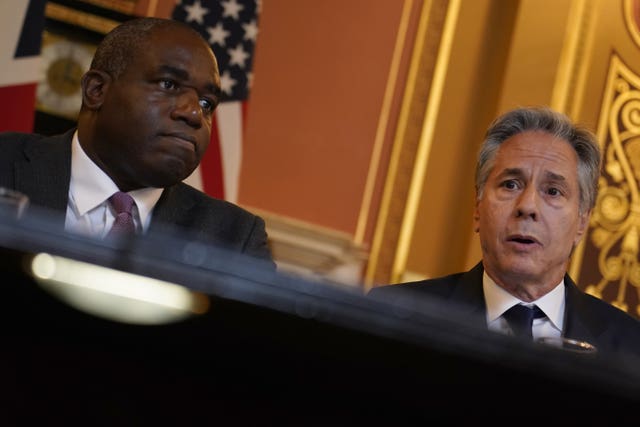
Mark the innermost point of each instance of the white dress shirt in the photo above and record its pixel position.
(498, 301)
(88, 209)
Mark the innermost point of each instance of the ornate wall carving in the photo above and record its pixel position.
(610, 268)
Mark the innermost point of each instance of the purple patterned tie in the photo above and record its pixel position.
(123, 205)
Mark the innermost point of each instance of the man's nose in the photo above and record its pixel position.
(527, 203)
(188, 108)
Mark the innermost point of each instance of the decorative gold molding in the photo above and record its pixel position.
(630, 10)
(426, 140)
(571, 73)
(405, 145)
(121, 6)
(383, 121)
(81, 19)
(613, 237)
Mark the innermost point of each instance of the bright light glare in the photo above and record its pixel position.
(115, 294)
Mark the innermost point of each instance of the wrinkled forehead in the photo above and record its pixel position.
(531, 151)
(537, 144)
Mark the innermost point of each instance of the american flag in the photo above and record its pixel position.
(231, 28)
(22, 24)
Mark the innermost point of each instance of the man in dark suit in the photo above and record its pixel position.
(536, 184)
(144, 125)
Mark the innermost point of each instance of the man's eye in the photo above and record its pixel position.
(206, 105)
(168, 84)
(510, 184)
(553, 192)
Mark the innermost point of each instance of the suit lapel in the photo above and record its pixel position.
(172, 208)
(470, 294)
(45, 172)
(578, 323)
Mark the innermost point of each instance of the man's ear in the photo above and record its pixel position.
(95, 84)
(583, 224)
(476, 217)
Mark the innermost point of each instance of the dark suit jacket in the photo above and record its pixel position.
(587, 318)
(40, 167)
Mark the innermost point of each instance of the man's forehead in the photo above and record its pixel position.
(193, 58)
(555, 175)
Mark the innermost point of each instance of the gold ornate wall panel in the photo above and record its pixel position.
(632, 19)
(406, 142)
(609, 267)
(605, 264)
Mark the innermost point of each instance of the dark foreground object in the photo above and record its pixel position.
(271, 350)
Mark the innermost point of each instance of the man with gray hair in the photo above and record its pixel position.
(536, 184)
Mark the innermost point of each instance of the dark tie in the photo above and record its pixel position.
(123, 205)
(520, 318)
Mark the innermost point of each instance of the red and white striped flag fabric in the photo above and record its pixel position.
(231, 27)
(22, 23)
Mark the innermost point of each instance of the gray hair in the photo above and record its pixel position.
(544, 119)
(121, 45)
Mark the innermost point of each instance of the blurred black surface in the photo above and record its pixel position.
(272, 350)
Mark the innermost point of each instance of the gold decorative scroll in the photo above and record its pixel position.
(609, 256)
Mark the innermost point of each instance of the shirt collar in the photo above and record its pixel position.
(90, 186)
(499, 300)
(146, 199)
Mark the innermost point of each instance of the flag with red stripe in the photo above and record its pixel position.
(22, 25)
(231, 28)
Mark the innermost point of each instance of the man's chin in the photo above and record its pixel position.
(165, 181)
(525, 269)
(172, 173)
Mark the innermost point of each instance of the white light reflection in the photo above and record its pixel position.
(114, 294)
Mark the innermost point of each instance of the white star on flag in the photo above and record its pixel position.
(231, 29)
(217, 34)
(196, 12)
(227, 82)
(237, 56)
(231, 8)
(250, 31)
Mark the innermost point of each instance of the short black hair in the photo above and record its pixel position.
(120, 45)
